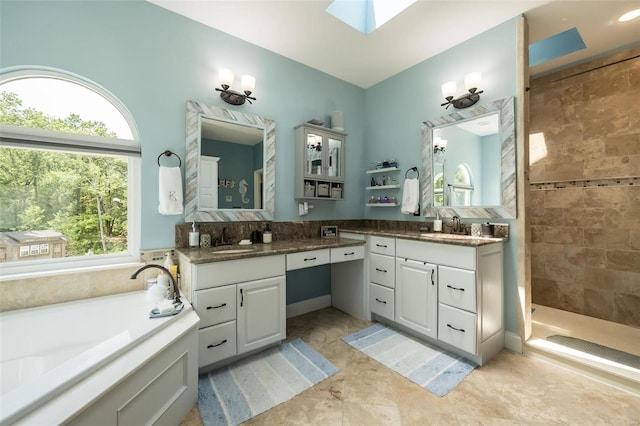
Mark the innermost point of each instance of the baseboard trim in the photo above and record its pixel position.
(309, 305)
(513, 342)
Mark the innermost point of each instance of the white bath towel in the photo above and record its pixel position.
(170, 196)
(410, 196)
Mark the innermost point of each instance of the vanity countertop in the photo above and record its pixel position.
(218, 254)
(432, 237)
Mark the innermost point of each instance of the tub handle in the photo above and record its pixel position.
(241, 298)
(217, 307)
(217, 344)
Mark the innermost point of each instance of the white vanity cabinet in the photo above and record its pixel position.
(382, 276)
(241, 305)
(451, 295)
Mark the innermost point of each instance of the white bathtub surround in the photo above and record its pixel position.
(97, 357)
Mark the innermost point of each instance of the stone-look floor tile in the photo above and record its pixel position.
(509, 389)
(370, 414)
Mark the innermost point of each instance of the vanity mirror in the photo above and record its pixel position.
(469, 163)
(230, 165)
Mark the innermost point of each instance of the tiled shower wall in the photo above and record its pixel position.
(585, 188)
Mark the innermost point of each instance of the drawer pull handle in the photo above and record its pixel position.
(241, 298)
(381, 245)
(433, 272)
(350, 254)
(456, 329)
(381, 301)
(308, 259)
(217, 307)
(381, 270)
(455, 288)
(217, 344)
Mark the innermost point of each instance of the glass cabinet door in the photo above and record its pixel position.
(314, 151)
(335, 160)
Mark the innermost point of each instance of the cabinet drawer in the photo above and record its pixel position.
(457, 287)
(216, 274)
(438, 253)
(307, 259)
(215, 305)
(346, 254)
(381, 301)
(216, 343)
(457, 327)
(382, 270)
(382, 245)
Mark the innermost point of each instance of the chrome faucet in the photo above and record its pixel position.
(175, 294)
(457, 227)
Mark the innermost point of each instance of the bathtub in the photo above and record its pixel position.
(100, 358)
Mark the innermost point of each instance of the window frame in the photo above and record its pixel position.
(17, 136)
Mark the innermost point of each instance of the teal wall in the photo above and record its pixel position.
(396, 107)
(153, 60)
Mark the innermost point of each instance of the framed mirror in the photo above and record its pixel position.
(469, 163)
(230, 165)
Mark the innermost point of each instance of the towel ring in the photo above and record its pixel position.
(169, 154)
(414, 169)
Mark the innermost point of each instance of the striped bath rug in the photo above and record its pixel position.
(235, 393)
(429, 367)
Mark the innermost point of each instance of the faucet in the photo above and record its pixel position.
(225, 239)
(457, 227)
(174, 287)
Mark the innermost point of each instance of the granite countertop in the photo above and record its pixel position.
(232, 252)
(432, 237)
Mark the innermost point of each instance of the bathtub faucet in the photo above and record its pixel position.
(176, 293)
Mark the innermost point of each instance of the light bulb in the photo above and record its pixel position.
(248, 83)
(225, 77)
(449, 89)
(472, 81)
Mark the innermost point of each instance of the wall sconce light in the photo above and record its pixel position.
(439, 145)
(225, 77)
(471, 81)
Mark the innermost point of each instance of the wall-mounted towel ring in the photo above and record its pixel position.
(169, 154)
(414, 169)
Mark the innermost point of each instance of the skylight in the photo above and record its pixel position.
(553, 47)
(367, 16)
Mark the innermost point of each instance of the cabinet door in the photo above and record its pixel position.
(417, 296)
(335, 157)
(314, 153)
(261, 313)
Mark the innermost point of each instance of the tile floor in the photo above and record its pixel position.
(510, 389)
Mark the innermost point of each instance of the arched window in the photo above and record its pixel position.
(69, 184)
(462, 186)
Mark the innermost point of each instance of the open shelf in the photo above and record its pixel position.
(388, 169)
(383, 187)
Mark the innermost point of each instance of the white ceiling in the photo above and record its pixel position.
(302, 31)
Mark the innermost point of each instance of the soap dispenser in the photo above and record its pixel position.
(194, 236)
(437, 224)
(266, 235)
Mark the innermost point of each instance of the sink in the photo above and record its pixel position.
(446, 236)
(230, 251)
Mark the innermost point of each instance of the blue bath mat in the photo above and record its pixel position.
(432, 368)
(235, 393)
